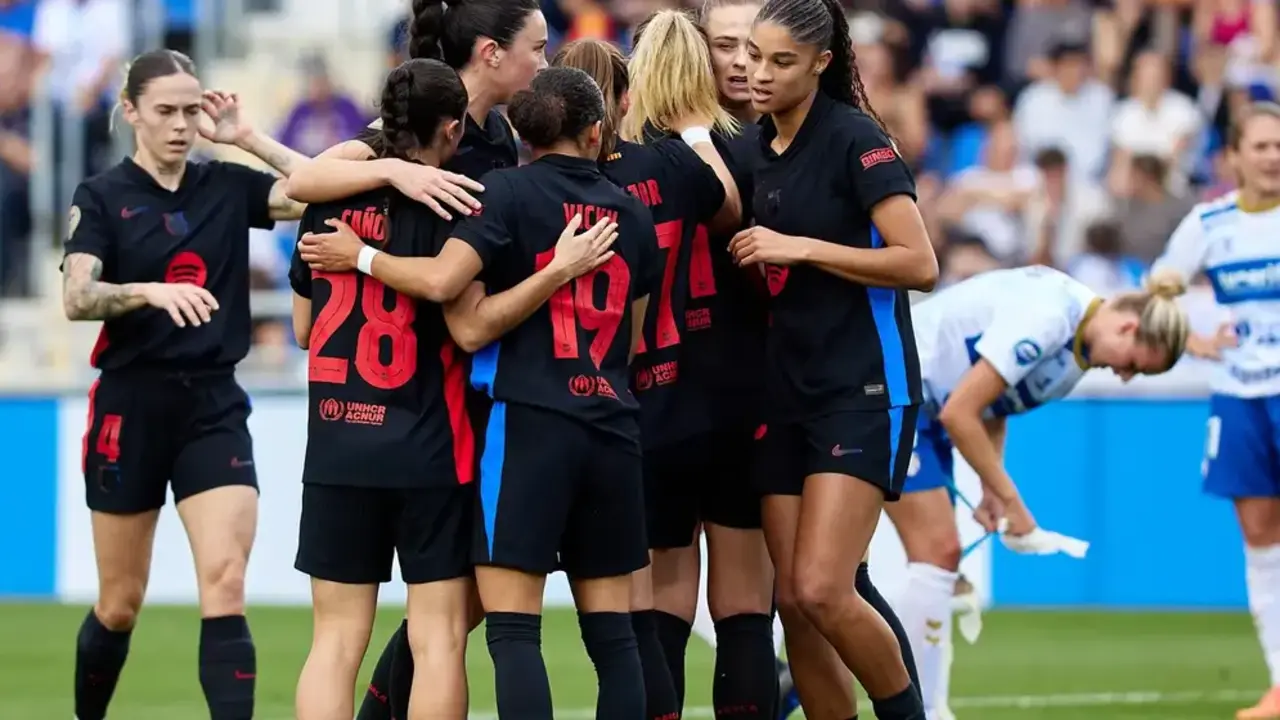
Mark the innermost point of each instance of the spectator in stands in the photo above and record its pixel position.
(962, 149)
(82, 45)
(268, 270)
(1060, 210)
(964, 256)
(1103, 266)
(17, 63)
(957, 47)
(1068, 110)
(1124, 29)
(324, 117)
(1149, 211)
(1154, 120)
(990, 201)
(1036, 28)
(901, 105)
(397, 47)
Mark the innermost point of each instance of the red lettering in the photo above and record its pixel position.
(571, 306)
(369, 224)
(652, 187)
(702, 276)
(396, 325)
(108, 444)
(702, 279)
(591, 214)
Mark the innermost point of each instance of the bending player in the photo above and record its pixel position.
(158, 251)
(995, 345)
(1232, 240)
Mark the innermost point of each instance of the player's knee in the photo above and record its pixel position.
(118, 611)
(222, 585)
(943, 551)
(819, 596)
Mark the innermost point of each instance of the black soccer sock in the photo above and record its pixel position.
(519, 672)
(228, 667)
(673, 633)
(400, 684)
(746, 675)
(100, 656)
(867, 591)
(905, 705)
(376, 704)
(661, 701)
(611, 645)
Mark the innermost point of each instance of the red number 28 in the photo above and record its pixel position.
(574, 304)
(395, 324)
(702, 279)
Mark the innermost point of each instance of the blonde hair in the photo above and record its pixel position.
(606, 65)
(671, 77)
(1162, 324)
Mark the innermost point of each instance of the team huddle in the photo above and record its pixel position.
(686, 317)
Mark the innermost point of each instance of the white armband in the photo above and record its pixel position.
(695, 135)
(364, 261)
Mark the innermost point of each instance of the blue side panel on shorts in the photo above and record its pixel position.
(883, 301)
(1240, 459)
(29, 510)
(931, 459)
(895, 436)
(484, 367)
(491, 463)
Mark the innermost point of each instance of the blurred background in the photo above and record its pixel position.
(1073, 133)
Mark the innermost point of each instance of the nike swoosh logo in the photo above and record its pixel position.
(841, 452)
(128, 213)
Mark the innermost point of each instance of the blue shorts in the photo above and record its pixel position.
(1242, 450)
(932, 465)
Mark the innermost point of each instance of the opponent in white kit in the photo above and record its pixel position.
(1235, 241)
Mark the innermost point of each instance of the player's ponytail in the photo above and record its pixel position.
(1162, 323)
(670, 77)
(560, 104)
(606, 65)
(425, 30)
(417, 97)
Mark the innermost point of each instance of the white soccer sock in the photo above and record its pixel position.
(703, 626)
(779, 642)
(1262, 577)
(942, 695)
(925, 611)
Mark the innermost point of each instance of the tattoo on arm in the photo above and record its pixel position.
(85, 297)
(282, 206)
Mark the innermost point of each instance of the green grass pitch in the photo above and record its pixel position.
(1042, 665)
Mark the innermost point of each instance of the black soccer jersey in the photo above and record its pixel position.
(386, 382)
(482, 148)
(833, 345)
(571, 355)
(727, 358)
(683, 194)
(198, 234)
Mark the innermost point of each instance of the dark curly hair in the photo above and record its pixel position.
(560, 104)
(417, 97)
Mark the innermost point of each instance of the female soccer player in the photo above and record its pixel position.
(561, 483)
(1231, 241)
(496, 46)
(389, 448)
(835, 207)
(158, 250)
(996, 345)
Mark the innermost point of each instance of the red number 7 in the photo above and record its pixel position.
(702, 279)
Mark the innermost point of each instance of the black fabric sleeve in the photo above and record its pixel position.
(88, 231)
(489, 231)
(694, 177)
(256, 186)
(876, 171)
(299, 273)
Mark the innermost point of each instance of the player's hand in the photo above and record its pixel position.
(185, 303)
(1018, 519)
(1211, 347)
(435, 188)
(223, 109)
(331, 252)
(989, 512)
(578, 253)
(761, 245)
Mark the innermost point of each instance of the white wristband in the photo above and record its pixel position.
(695, 135)
(364, 261)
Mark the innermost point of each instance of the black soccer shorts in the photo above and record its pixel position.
(558, 494)
(871, 445)
(148, 430)
(707, 478)
(349, 534)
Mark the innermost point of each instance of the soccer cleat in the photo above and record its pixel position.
(1268, 708)
(788, 698)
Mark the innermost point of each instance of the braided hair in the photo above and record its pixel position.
(418, 96)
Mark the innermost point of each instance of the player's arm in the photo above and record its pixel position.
(351, 170)
(997, 430)
(961, 415)
(300, 281)
(86, 297)
(302, 321)
(476, 319)
(709, 181)
(285, 161)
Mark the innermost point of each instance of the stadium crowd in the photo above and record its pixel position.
(1069, 132)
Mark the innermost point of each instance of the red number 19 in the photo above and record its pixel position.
(574, 303)
(702, 279)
